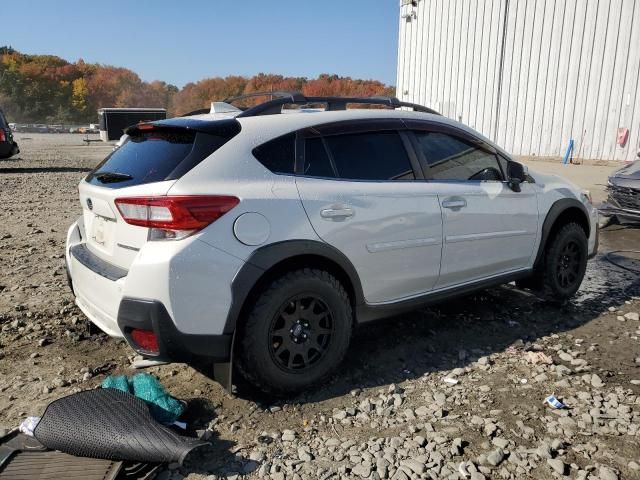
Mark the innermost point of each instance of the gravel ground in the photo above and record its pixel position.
(453, 391)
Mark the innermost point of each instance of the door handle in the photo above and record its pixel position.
(454, 203)
(331, 213)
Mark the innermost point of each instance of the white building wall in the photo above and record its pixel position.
(529, 74)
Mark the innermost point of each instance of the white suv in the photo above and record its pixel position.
(265, 235)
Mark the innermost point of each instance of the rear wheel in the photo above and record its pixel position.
(297, 333)
(565, 262)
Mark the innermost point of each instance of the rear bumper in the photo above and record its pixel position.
(8, 148)
(179, 290)
(174, 346)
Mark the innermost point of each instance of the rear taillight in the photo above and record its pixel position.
(174, 217)
(145, 341)
(3, 136)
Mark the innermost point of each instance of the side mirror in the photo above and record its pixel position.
(516, 173)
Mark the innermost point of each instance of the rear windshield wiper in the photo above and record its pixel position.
(112, 177)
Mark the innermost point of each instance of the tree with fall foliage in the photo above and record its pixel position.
(46, 88)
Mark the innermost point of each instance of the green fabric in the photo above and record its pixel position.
(163, 407)
(119, 382)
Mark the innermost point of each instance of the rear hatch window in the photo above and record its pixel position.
(154, 155)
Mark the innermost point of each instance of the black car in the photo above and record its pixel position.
(8, 146)
(623, 190)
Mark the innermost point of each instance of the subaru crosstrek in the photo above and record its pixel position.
(265, 235)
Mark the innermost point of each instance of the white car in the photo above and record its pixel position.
(265, 238)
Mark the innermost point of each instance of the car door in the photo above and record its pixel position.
(363, 193)
(488, 228)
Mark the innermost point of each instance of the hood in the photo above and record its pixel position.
(628, 176)
(630, 171)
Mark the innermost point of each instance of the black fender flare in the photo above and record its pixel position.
(264, 258)
(558, 207)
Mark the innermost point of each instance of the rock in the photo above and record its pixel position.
(257, 456)
(490, 429)
(500, 442)
(340, 415)
(565, 356)
(421, 441)
(541, 377)
(400, 475)
(596, 381)
(59, 382)
(484, 361)
(633, 465)
(362, 470)
(366, 406)
(415, 466)
(422, 411)
(557, 465)
(496, 457)
(607, 473)
(305, 454)
(632, 316)
(544, 450)
(288, 436)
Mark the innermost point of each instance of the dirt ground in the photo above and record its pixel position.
(388, 413)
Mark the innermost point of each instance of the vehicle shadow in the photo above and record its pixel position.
(44, 169)
(220, 457)
(456, 333)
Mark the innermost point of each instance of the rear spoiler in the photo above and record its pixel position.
(228, 127)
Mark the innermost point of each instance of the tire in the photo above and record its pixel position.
(565, 262)
(296, 334)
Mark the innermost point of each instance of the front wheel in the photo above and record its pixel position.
(296, 334)
(565, 262)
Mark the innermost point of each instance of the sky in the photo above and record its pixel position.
(188, 40)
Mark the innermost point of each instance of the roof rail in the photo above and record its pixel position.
(274, 106)
(277, 94)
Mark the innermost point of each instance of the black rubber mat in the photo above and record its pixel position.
(50, 465)
(112, 425)
(24, 458)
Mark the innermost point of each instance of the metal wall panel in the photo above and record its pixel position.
(529, 74)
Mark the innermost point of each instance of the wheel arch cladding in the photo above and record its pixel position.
(269, 262)
(562, 212)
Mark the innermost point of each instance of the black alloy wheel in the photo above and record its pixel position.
(568, 266)
(300, 333)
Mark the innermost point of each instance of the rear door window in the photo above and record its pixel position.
(370, 156)
(154, 156)
(316, 160)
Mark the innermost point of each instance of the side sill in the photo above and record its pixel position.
(366, 313)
